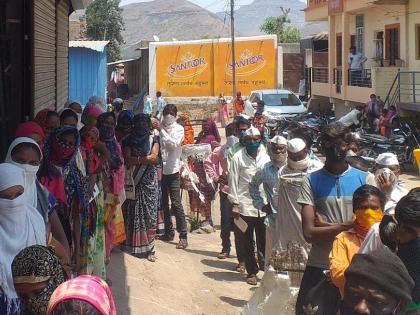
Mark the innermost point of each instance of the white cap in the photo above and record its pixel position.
(296, 145)
(279, 140)
(387, 159)
(252, 132)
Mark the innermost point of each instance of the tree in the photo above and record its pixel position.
(104, 22)
(279, 26)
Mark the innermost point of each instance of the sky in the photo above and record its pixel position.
(211, 5)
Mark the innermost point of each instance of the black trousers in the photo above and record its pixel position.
(171, 189)
(255, 224)
(317, 292)
(226, 221)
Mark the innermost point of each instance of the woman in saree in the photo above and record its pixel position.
(113, 177)
(96, 218)
(141, 153)
(61, 176)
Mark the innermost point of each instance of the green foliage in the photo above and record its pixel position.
(104, 22)
(279, 26)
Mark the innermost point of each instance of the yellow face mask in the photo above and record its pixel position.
(368, 217)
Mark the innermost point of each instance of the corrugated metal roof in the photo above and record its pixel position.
(89, 44)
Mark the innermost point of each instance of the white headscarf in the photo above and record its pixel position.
(29, 170)
(21, 225)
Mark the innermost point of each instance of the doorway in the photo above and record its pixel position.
(15, 67)
(392, 43)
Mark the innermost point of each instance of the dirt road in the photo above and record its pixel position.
(193, 281)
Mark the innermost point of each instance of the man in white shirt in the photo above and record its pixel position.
(356, 61)
(351, 118)
(171, 137)
(243, 168)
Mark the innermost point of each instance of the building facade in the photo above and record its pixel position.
(34, 39)
(387, 33)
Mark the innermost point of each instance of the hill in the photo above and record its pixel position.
(250, 17)
(170, 19)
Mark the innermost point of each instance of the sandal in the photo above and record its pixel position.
(151, 258)
(240, 268)
(252, 280)
(183, 244)
(223, 255)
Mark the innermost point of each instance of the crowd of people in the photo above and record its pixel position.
(79, 182)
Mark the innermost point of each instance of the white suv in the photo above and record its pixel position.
(278, 102)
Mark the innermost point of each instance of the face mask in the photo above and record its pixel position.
(30, 171)
(168, 120)
(231, 141)
(335, 153)
(11, 204)
(107, 133)
(89, 143)
(279, 159)
(365, 219)
(253, 147)
(409, 253)
(298, 165)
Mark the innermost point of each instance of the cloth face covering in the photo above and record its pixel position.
(21, 225)
(365, 219)
(253, 147)
(30, 171)
(299, 165)
(38, 264)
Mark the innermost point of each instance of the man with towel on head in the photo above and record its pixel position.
(242, 169)
(289, 219)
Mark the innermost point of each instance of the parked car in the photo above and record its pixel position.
(278, 102)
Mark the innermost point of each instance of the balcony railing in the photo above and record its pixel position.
(316, 3)
(338, 79)
(320, 75)
(362, 78)
(404, 89)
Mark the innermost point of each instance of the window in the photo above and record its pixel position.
(254, 98)
(281, 100)
(392, 43)
(417, 39)
(360, 33)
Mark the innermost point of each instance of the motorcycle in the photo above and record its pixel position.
(402, 143)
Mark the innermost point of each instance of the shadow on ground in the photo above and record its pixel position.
(219, 264)
(201, 252)
(224, 276)
(233, 302)
(118, 276)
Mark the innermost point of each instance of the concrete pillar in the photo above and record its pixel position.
(345, 29)
(331, 52)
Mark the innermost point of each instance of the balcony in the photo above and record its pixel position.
(360, 78)
(320, 75)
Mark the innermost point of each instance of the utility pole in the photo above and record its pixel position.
(232, 30)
